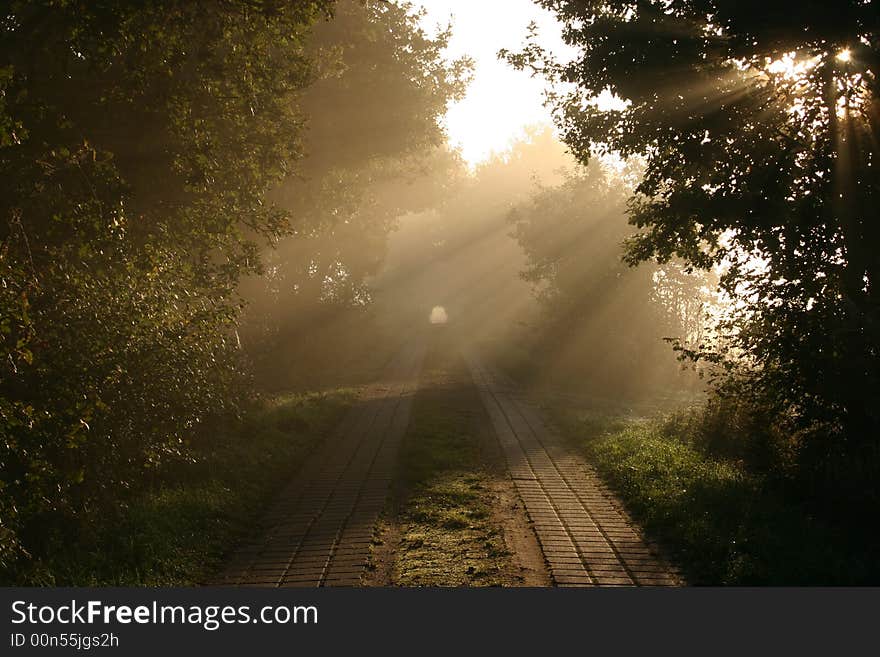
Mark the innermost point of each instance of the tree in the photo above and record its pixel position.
(758, 123)
(137, 145)
(374, 136)
(459, 254)
(604, 324)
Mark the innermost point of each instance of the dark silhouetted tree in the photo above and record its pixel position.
(758, 123)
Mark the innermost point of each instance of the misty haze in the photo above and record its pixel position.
(439, 293)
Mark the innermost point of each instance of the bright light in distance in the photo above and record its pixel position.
(844, 55)
(501, 102)
(438, 315)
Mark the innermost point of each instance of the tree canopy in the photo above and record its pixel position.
(603, 324)
(758, 126)
(138, 142)
(374, 132)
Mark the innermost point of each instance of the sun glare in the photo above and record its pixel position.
(791, 67)
(501, 103)
(608, 101)
(844, 55)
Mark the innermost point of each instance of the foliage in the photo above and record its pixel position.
(138, 143)
(374, 132)
(723, 523)
(758, 125)
(604, 323)
(178, 531)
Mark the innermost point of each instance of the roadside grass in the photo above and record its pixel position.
(448, 536)
(721, 523)
(178, 532)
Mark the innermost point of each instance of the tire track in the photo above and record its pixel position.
(587, 537)
(318, 532)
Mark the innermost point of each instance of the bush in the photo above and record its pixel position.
(137, 143)
(177, 530)
(723, 522)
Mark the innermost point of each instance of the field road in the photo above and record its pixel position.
(585, 534)
(320, 530)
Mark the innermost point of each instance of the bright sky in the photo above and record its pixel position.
(501, 101)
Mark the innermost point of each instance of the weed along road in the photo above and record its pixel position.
(456, 507)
